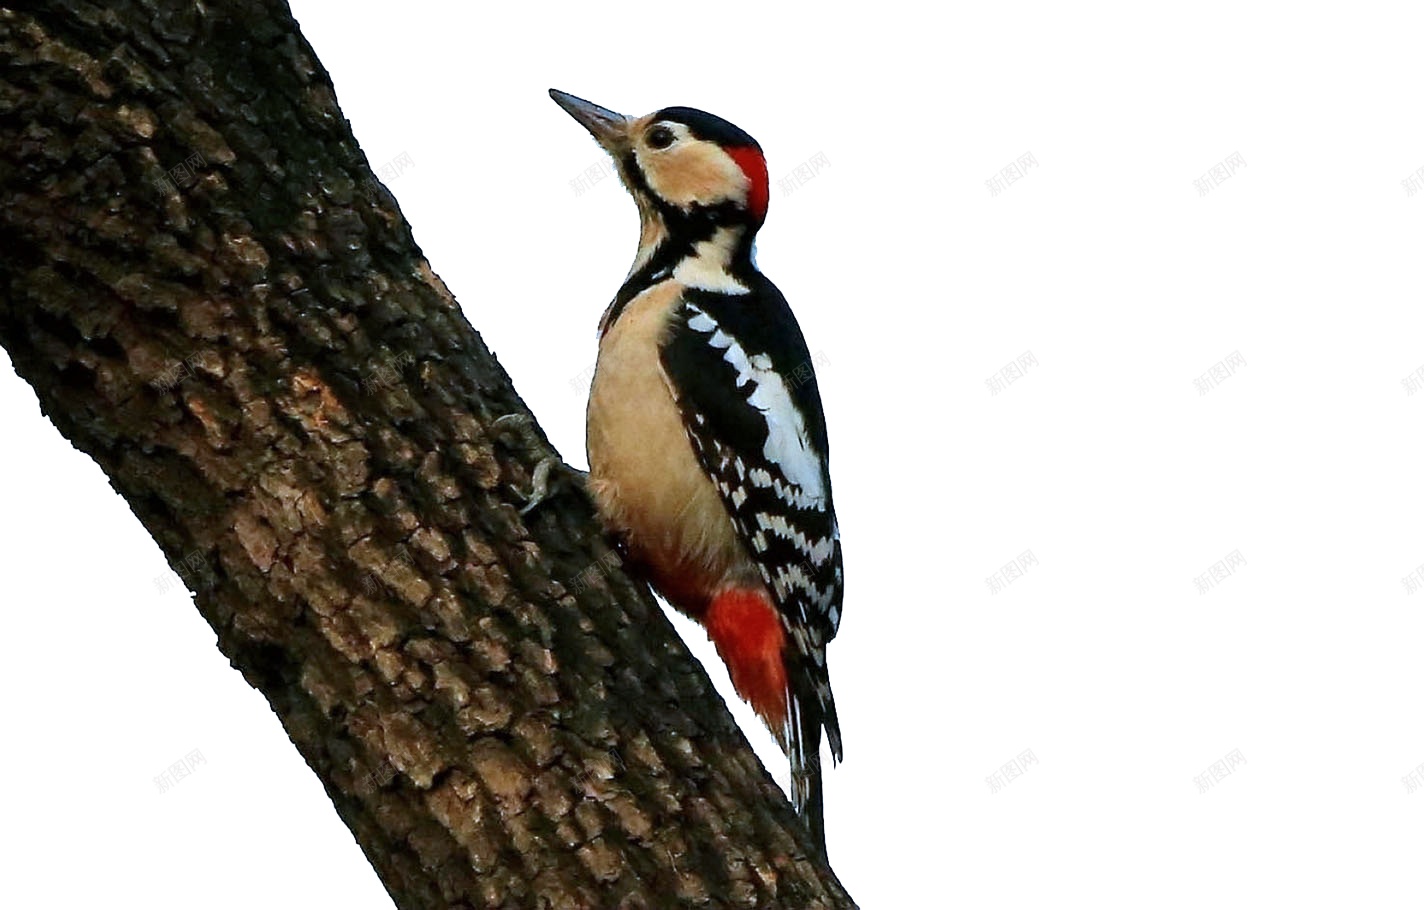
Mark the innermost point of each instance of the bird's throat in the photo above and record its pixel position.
(704, 255)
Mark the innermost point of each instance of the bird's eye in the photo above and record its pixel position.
(661, 137)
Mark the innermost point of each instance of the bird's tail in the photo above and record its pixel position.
(812, 710)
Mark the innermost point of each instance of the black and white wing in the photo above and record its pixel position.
(746, 388)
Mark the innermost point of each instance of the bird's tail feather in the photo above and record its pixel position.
(810, 712)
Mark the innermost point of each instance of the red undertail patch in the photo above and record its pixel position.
(752, 163)
(746, 629)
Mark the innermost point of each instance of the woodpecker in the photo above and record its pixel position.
(707, 444)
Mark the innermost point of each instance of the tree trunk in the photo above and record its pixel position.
(213, 298)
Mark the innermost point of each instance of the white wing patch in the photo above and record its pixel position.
(788, 445)
(818, 551)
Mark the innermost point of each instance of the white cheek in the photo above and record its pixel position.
(692, 172)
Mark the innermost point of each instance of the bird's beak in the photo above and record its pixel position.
(608, 127)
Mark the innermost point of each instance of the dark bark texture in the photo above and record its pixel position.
(213, 298)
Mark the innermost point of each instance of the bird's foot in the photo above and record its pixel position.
(550, 473)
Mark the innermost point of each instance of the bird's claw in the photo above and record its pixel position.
(549, 473)
(545, 479)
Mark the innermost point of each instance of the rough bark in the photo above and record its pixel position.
(213, 298)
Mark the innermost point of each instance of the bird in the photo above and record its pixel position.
(707, 445)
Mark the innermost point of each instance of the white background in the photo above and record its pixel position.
(915, 284)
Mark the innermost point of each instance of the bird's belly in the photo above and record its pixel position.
(643, 474)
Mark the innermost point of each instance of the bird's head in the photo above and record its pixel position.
(680, 163)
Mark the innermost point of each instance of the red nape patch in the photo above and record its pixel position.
(746, 629)
(752, 163)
